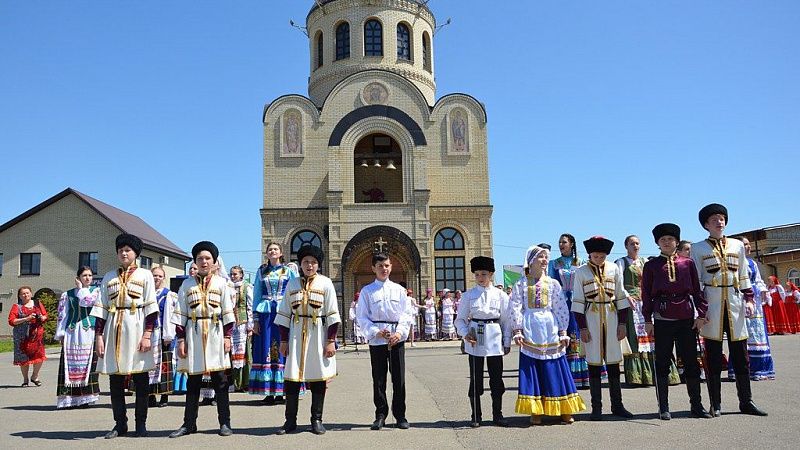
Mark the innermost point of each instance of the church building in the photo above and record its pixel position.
(371, 160)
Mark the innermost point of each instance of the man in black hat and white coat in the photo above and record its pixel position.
(484, 321)
(126, 313)
(204, 322)
(308, 319)
(600, 304)
(722, 268)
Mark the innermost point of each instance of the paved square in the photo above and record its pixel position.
(438, 409)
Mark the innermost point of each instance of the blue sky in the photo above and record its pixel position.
(604, 117)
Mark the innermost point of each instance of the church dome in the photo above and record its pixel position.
(351, 36)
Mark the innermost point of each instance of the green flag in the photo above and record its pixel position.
(511, 273)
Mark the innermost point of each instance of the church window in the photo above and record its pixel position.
(320, 50)
(426, 52)
(449, 259)
(403, 42)
(448, 239)
(794, 277)
(373, 38)
(302, 238)
(450, 273)
(343, 41)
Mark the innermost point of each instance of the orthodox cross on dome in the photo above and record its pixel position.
(379, 244)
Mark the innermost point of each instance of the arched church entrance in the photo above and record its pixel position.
(357, 261)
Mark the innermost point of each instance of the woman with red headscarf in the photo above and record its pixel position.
(778, 295)
(792, 310)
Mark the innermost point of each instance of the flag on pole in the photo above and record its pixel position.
(512, 273)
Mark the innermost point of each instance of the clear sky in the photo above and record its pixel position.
(605, 117)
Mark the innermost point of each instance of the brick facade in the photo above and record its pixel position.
(59, 233)
(441, 180)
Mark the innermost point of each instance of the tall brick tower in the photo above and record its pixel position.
(371, 160)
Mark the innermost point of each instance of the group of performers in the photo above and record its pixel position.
(573, 322)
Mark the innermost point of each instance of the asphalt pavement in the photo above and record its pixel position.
(438, 409)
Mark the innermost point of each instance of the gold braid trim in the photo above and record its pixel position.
(671, 272)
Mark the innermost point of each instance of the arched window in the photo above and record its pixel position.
(320, 50)
(403, 42)
(301, 238)
(373, 38)
(343, 41)
(794, 277)
(426, 51)
(448, 246)
(448, 239)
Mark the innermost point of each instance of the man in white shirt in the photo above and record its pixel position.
(383, 315)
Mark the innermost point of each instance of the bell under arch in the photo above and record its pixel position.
(377, 170)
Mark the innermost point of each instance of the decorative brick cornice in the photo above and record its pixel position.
(345, 70)
(338, 6)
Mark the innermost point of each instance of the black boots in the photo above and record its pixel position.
(379, 423)
(693, 388)
(118, 430)
(751, 408)
(746, 404)
(615, 391)
(714, 391)
(290, 425)
(497, 411)
(183, 431)
(477, 416)
(317, 403)
(662, 391)
(597, 395)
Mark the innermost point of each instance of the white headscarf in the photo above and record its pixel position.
(221, 269)
(531, 254)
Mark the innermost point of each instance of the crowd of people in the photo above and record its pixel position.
(575, 322)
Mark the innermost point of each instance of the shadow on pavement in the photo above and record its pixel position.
(53, 408)
(61, 435)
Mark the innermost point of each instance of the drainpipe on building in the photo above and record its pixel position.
(774, 269)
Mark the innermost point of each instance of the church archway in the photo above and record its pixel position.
(356, 271)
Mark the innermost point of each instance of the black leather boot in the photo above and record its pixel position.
(715, 392)
(497, 411)
(615, 392)
(746, 404)
(475, 404)
(290, 424)
(317, 403)
(118, 407)
(696, 402)
(142, 405)
(663, 398)
(597, 396)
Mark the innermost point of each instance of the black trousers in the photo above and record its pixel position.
(117, 387)
(739, 360)
(496, 385)
(382, 358)
(220, 383)
(680, 334)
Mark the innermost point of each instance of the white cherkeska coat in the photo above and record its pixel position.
(722, 277)
(307, 311)
(204, 308)
(124, 302)
(599, 301)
